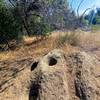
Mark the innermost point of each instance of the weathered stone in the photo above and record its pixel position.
(55, 76)
(52, 78)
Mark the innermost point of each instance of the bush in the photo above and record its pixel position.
(41, 29)
(38, 27)
(45, 29)
(9, 27)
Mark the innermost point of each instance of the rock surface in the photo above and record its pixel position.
(55, 76)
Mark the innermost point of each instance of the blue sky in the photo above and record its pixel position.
(86, 4)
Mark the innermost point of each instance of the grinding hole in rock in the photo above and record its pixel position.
(34, 65)
(34, 92)
(52, 61)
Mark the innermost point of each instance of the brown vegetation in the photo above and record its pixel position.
(31, 47)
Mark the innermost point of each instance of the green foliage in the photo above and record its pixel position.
(45, 29)
(92, 17)
(57, 14)
(95, 27)
(41, 29)
(38, 27)
(24, 17)
(85, 22)
(8, 26)
(97, 19)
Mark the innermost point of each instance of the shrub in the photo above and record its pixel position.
(45, 29)
(9, 27)
(38, 27)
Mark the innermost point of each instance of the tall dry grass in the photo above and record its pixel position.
(35, 50)
(55, 41)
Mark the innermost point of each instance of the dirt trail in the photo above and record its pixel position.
(90, 42)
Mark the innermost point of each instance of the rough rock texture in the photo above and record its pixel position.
(86, 72)
(52, 78)
(15, 79)
(55, 76)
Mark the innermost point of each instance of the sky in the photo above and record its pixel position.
(86, 4)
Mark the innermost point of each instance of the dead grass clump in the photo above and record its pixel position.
(69, 38)
(33, 39)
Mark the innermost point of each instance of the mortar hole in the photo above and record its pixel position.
(34, 92)
(52, 61)
(34, 65)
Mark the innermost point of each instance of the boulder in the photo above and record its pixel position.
(51, 78)
(66, 77)
(85, 69)
(55, 76)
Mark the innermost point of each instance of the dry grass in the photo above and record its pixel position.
(89, 39)
(40, 48)
(30, 40)
(68, 38)
(34, 50)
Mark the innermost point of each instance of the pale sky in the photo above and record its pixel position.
(86, 4)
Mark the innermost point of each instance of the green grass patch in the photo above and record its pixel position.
(95, 27)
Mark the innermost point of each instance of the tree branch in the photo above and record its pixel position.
(79, 7)
(85, 11)
(11, 2)
(71, 4)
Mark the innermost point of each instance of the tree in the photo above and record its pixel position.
(98, 11)
(24, 10)
(8, 26)
(57, 13)
(81, 18)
